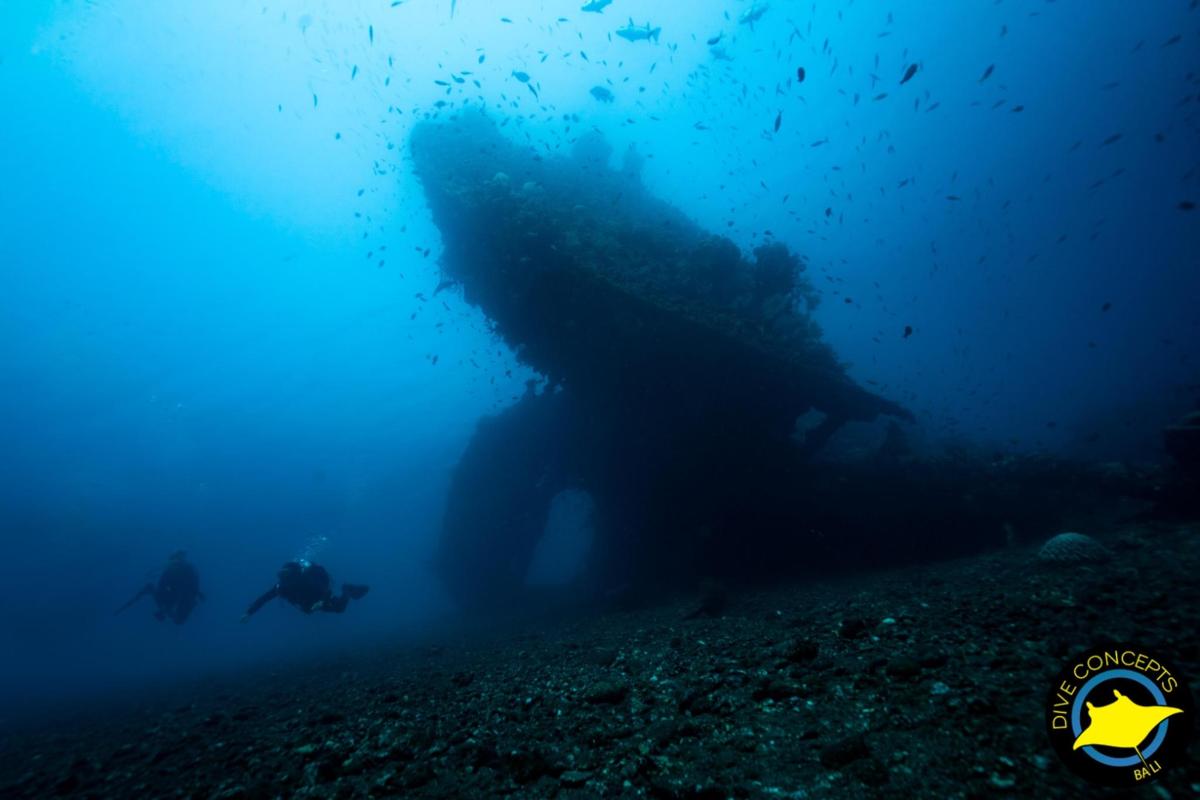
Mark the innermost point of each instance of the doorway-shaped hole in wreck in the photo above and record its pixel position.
(561, 554)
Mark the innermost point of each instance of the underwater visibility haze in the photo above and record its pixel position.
(466, 398)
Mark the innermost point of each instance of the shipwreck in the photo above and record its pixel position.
(676, 367)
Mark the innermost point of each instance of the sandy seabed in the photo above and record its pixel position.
(929, 681)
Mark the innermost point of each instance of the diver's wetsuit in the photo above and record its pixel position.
(176, 592)
(308, 588)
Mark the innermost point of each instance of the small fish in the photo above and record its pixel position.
(987, 73)
(908, 74)
(1105, 307)
(371, 34)
(523, 77)
(799, 74)
(715, 39)
(597, 6)
(1116, 137)
(778, 121)
(753, 14)
(907, 331)
(634, 33)
(1186, 205)
(602, 94)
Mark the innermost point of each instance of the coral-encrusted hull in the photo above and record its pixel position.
(597, 284)
(680, 366)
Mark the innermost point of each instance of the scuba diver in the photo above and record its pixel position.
(175, 594)
(307, 586)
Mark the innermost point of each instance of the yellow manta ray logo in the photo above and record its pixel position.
(1132, 739)
(1122, 723)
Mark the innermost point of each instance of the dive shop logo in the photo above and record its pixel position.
(1119, 716)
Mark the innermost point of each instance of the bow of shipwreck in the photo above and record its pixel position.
(676, 366)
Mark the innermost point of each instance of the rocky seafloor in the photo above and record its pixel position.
(921, 682)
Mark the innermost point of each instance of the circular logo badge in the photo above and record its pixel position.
(1119, 716)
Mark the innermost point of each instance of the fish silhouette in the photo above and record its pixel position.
(1122, 723)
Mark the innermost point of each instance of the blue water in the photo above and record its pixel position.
(218, 329)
